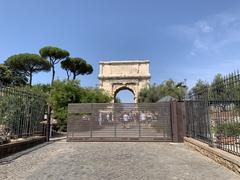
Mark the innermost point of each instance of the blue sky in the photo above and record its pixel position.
(185, 39)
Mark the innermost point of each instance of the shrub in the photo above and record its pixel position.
(21, 109)
(228, 129)
(64, 92)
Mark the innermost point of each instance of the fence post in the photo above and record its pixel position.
(48, 122)
(114, 119)
(139, 128)
(91, 120)
(181, 120)
(178, 120)
(213, 142)
(173, 109)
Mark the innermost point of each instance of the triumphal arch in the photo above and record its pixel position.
(115, 76)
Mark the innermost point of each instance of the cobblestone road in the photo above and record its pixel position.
(118, 160)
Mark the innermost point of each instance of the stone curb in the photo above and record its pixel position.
(20, 145)
(224, 158)
(57, 139)
(14, 156)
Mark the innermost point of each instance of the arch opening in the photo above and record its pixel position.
(124, 95)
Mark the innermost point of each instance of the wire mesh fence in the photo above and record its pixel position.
(103, 121)
(21, 112)
(213, 115)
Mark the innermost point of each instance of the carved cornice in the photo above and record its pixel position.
(125, 62)
(101, 77)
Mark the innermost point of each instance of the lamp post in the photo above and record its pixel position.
(183, 85)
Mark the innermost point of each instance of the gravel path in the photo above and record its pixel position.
(114, 160)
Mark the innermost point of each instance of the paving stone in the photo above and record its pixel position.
(114, 160)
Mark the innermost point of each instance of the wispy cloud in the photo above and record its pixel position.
(211, 34)
(194, 73)
(214, 46)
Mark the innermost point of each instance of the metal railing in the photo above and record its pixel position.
(213, 115)
(197, 120)
(21, 112)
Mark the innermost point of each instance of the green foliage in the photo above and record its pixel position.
(43, 88)
(156, 92)
(27, 64)
(148, 95)
(76, 66)
(61, 116)
(9, 77)
(20, 106)
(64, 92)
(10, 108)
(54, 55)
(226, 88)
(95, 95)
(200, 87)
(5, 74)
(218, 88)
(227, 129)
(19, 79)
(221, 89)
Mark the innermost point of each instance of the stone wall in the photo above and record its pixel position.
(226, 159)
(13, 147)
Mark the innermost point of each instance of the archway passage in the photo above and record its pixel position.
(131, 75)
(124, 95)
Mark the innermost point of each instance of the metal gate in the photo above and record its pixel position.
(119, 122)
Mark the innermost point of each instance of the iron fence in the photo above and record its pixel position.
(103, 121)
(21, 112)
(213, 115)
(198, 122)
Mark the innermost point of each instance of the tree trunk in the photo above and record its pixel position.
(68, 74)
(30, 79)
(53, 74)
(74, 76)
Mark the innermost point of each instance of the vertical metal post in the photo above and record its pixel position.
(115, 129)
(139, 125)
(115, 123)
(48, 122)
(91, 120)
(173, 109)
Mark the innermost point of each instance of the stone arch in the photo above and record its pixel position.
(117, 75)
(123, 88)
